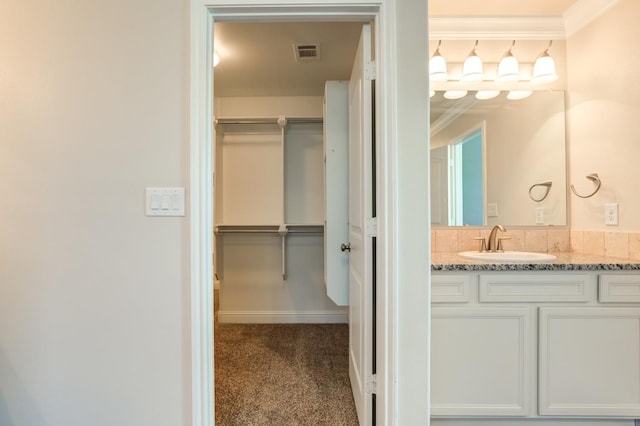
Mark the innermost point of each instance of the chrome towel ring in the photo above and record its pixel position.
(546, 184)
(596, 181)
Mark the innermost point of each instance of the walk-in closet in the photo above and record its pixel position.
(280, 216)
(270, 221)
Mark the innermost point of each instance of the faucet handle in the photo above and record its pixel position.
(483, 244)
(499, 247)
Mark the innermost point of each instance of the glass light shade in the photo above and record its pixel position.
(438, 68)
(455, 94)
(432, 93)
(487, 94)
(515, 95)
(472, 68)
(508, 68)
(216, 59)
(544, 70)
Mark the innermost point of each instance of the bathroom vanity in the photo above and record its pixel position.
(543, 342)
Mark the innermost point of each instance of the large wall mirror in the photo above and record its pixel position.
(498, 161)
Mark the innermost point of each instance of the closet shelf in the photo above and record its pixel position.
(266, 193)
(281, 230)
(267, 120)
(284, 229)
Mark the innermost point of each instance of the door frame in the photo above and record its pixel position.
(402, 312)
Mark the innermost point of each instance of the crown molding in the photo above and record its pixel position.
(555, 27)
(496, 28)
(582, 12)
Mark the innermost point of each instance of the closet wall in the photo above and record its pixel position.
(269, 178)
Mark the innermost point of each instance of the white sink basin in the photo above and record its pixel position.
(508, 256)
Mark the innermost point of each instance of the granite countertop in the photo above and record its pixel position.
(563, 262)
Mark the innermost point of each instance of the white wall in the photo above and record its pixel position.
(411, 296)
(94, 296)
(269, 106)
(603, 126)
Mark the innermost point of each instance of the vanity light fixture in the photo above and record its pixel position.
(438, 66)
(515, 95)
(455, 94)
(216, 59)
(432, 93)
(508, 68)
(544, 69)
(472, 69)
(487, 94)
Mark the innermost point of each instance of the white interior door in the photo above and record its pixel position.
(360, 210)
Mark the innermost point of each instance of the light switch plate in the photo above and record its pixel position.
(492, 210)
(165, 201)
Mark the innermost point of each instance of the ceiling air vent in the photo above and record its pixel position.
(307, 52)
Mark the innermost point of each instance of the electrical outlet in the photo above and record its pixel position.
(539, 215)
(611, 214)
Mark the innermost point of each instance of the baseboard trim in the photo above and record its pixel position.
(531, 422)
(282, 317)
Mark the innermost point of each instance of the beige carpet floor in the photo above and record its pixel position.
(282, 374)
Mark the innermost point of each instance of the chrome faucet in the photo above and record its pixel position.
(494, 243)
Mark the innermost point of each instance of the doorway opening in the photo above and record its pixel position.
(458, 179)
(400, 215)
(467, 179)
(268, 215)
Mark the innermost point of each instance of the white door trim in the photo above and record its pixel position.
(402, 380)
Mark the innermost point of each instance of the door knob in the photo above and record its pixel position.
(345, 247)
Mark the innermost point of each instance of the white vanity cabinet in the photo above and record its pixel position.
(545, 345)
(589, 361)
(481, 361)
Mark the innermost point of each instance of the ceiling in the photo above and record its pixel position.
(257, 59)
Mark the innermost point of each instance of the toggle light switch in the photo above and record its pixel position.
(165, 201)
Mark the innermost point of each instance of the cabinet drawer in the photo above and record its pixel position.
(619, 288)
(451, 288)
(536, 288)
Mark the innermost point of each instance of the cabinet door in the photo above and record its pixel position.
(481, 361)
(589, 361)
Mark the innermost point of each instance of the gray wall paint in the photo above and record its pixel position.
(94, 296)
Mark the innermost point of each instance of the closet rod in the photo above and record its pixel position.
(306, 231)
(268, 120)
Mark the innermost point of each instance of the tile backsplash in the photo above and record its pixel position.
(606, 243)
(602, 243)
